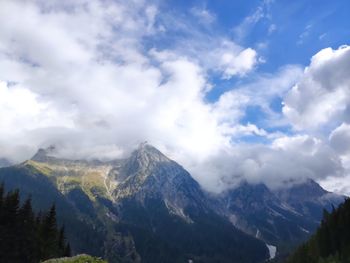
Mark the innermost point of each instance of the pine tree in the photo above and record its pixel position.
(67, 251)
(61, 240)
(331, 242)
(10, 220)
(27, 233)
(49, 235)
(26, 237)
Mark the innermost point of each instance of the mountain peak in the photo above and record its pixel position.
(146, 154)
(307, 190)
(43, 155)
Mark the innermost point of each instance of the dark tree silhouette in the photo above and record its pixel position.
(26, 237)
(331, 242)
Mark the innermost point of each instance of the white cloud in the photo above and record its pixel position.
(320, 104)
(287, 161)
(81, 75)
(87, 82)
(322, 97)
(238, 64)
(340, 139)
(259, 92)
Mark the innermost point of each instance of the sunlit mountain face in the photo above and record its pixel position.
(146, 208)
(150, 122)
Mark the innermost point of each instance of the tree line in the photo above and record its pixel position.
(26, 236)
(331, 242)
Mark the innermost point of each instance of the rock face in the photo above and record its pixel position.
(309, 199)
(148, 174)
(148, 208)
(157, 198)
(280, 216)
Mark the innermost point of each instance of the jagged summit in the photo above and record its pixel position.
(142, 159)
(147, 153)
(307, 190)
(43, 155)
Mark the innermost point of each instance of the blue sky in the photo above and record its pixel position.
(283, 32)
(302, 27)
(255, 90)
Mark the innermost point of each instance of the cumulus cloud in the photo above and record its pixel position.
(287, 161)
(88, 82)
(322, 97)
(82, 75)
(320, 104)
(340, 139)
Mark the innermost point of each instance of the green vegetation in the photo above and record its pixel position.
(77, 259)
(331, 243)
(75, 210)
(26, 237)
(70, 176)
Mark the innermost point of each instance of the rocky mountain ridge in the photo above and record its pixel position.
(147, 193)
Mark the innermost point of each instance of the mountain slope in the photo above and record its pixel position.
(144, 208)
(258, 211)
(175, 214)
(31, 182)
(309, 199)
(283, 218)
(148, 208)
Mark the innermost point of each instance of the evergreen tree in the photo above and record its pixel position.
(331, 242)
(50, 235)
(67, 251)
(10, 239)
(26, 237)
(26, 232)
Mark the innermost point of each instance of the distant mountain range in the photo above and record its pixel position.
(148, 208)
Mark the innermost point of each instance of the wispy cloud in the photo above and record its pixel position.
(248, 23)
(303, 36)
(203, 14)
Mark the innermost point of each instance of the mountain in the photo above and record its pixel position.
(175, 212)
(309, 199)
(331, 242)
(148, 208)
(283, 218)
(145, 208)
(148, 174)
(257, 210)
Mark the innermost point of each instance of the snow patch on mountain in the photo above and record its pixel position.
(272, 250)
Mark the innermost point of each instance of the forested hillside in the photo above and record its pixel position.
(331, 242)
(26, 236)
